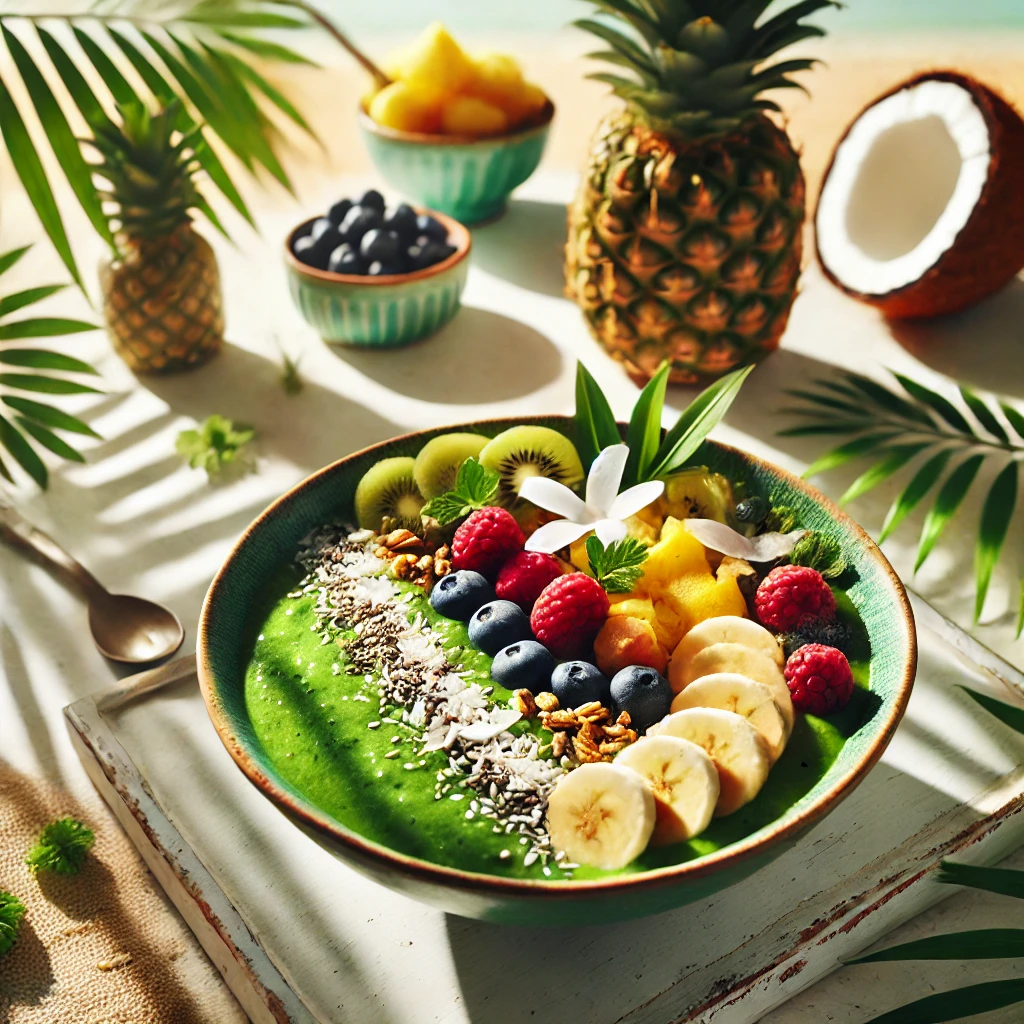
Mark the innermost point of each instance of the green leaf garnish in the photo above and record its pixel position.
(780, 519)
(291, 379)
(820, 551)
(894, 431)
(595, 424)
(644, 434)
(475, 487)
(215, 445)
(619, 566)
(62, 847)
(12, 910)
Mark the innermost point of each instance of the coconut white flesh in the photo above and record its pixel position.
(903, 184)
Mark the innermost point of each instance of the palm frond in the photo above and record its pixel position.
(27, 423)
(895, 428)
(122, 51)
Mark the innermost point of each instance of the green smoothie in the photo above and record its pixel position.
(331, 735)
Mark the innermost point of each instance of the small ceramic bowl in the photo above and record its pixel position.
(468, 178)
(385, 311)
(800, 792)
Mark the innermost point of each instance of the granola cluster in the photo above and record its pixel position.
(588, 733)
(413, 559)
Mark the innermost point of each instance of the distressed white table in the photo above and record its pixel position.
(145, 523)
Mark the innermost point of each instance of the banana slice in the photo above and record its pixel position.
(729, 629)
(601, 814)
(731, 692)
(684, 781)
(739, 659)
(737, 748)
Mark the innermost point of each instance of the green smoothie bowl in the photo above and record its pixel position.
(361, 703)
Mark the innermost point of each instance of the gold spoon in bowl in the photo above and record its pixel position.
(125, 628)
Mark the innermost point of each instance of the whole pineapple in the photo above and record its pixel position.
(161, 291)
(685, 234)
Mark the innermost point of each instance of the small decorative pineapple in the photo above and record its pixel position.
(685, 236)
(161, 291)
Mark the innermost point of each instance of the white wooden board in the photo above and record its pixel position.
(299, 937)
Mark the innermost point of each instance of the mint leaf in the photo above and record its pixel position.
(617, 567)
(12, 910)
(217, 443)
(62, 847)
(819, 551)
(780, 519)
(475, 488)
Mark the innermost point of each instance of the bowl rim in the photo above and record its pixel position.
(535, 127)
(456, 229)
(304, 813)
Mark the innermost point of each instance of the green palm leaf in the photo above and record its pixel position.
(889, 400)
(950, 497)
(848, 452)
(1006, 713)
(43, 327)
(22, 453)
(48, 415)
(981, 944)
(1004, 881)
(644, 433)
(41, 359)
(595, 424)
(943, 406)
(996, 515)
(957, 1003)
(983, 414)
(912, 495)
(898, 456)
(48, 439)
(1014, 417)
(45, 385)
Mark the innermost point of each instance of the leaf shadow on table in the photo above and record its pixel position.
(310, 429)
(980, 346)
(526, 246)
(30, 714)
(28, 972)
(478, 358)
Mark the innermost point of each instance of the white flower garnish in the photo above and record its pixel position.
(604, 511)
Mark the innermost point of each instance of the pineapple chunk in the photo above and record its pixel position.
(406, 108)
(469, 115)
(436, 61)
(497, 78)
(631, 606)
(676, 554)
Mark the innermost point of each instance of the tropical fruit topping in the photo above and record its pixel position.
(438, 89)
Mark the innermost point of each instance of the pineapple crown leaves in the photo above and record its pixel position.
(651, 457)
(28, 374)
(699, 67)
(946, 443)
(62, 847)
(12, 910)
(476, 487)
(618, 566)
(149, 163)
(217, 444)
(983, 944)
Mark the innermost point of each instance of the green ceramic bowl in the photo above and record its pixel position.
(468, 178)
(746, 841)
(380, 312)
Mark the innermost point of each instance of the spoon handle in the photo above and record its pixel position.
(20, 533)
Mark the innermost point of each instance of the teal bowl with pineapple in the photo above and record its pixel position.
(466, 177)
(386, 311)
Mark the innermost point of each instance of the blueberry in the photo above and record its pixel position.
(523, 665)
(578, 682)
(431, 227)
(336, 214)
(643, 693)
(431, 253)
(345, 260)
(308, 252)
(753, 510)
(378, 269)
(402, 220)
(498, 624)
(357, 222)
(459, 594)
(372, 199)
(380, 244)
(321, 226)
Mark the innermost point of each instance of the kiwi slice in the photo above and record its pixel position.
(437, 464)
(522, 452)
(388, 489)
(698, 494)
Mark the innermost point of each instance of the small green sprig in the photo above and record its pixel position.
(12, 910)
(476, 487)
(819, 551)
(948, 444)
(215, 445)
(62, 847)
(619, 566)
(650, 457)
(780, 519)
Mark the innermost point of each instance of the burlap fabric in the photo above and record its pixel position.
(103, 947)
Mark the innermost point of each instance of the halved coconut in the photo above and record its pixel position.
(922, 208)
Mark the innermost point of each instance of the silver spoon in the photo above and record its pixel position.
(125, 628)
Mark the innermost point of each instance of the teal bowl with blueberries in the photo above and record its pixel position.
(467, 177)
(377, 276)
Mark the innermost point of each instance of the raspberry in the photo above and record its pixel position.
(485, 541)
(569, 614)
(524, 576)
(792, 595)
(820, 679)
